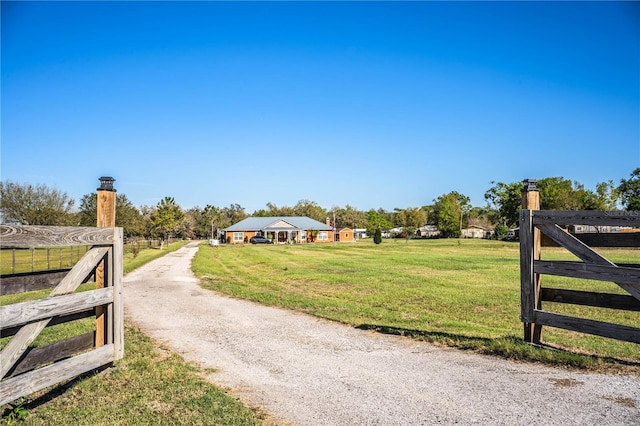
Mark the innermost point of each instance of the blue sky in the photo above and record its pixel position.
(372, 104)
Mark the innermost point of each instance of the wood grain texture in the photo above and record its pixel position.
(43, 236)
(589, 298)
(584, 252)
(581, 325)
(587, 217)
(35, 310)
(24, 384)
(54, 352)
(27, 334)
(617, 274)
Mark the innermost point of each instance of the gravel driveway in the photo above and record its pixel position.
(307, 371)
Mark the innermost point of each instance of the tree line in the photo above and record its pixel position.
(27, 204)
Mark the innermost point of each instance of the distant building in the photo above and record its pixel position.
(281, 229)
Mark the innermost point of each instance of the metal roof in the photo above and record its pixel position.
(262, 223)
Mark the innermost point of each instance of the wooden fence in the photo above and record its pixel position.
(25, 369)
(535, 225)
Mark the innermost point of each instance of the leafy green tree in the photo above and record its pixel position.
(506, 201)
(128, 217)
(448, 211)
(629, 191)
(500, 232)
(310, 209)
(350, 217)
(607, 195)
(411, 219)
(232, 214)
(29, 204)
(167, 218)
(377, 221)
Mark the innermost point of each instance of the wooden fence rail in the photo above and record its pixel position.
(25, 369)
(537, 224)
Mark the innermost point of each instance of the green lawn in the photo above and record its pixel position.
(460, 293)
(149, 386)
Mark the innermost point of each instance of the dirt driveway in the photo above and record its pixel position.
(307, 371)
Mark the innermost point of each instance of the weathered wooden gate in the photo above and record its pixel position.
(24, 370)
(534, 226)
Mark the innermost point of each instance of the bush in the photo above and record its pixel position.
(377, 236)
(500, 232)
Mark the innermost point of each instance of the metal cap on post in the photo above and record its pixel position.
(106, 184)
(529, 185)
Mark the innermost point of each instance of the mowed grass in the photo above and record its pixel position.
(459, 293)
(149, 386)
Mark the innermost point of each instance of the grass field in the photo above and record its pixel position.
(149, 386)
(460, 293)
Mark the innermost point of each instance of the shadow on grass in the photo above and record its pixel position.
(513, 348)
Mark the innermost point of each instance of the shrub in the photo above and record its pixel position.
(377, 236)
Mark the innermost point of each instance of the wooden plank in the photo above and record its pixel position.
(27, 383)
(11, 331)
(35, 310)
(588, 298)
(54, 352)
(610, 239)
(587, 217)
(32, 281)
(571, 243)
(617, 274)
(118, 301)
(27, 334)
(527, 282)
(583, 252)
(43, 236)
(581, 325)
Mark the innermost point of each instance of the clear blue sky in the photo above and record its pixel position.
(372, 104)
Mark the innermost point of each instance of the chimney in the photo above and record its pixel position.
(328, 222)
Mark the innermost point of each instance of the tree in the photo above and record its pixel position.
(411, 219)
(167, 218)
(377, 236)
(309, 209)
(377, 221)
(448, 211)
(349, 217)
(27, 204)
(629, 190)
(506, 201)
(230, 215)
(127, 216)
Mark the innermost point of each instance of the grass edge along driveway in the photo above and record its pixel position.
(458, 293)
(149, 386)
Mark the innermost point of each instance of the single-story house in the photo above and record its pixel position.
(345, 234)
(428, 231)
(474, 231)
(280, 229)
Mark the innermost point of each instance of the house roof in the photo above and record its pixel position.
(279, 223)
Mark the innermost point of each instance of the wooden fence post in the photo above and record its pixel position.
(106, 217)
(531, 201)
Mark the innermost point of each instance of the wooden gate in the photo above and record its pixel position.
(535, 225)
(24, 369)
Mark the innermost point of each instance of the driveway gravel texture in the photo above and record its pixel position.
(302, 370)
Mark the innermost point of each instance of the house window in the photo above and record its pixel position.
(346, 235)
(303, 236)
(238, 237)
(323, 236)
